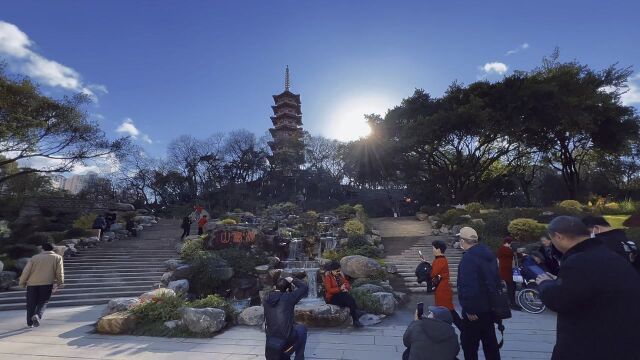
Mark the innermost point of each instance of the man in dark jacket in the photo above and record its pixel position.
(595, 296)
(279, 318)
(615, 239)
(431, 338)
(478, 279)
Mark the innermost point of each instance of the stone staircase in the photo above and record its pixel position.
(408, 259)
(121, 268)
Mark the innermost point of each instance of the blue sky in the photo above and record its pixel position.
(159, 69)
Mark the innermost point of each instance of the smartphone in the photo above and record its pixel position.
(536, 269)
(420, 254)
(420, 310)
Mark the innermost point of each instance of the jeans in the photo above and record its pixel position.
(37, 298)
(300, 341)
(200, 230)
(343, 299)
(480, 330)
(511, 291)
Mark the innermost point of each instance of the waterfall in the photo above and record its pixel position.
(311, 269)
(294, 249)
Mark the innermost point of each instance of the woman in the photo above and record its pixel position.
(336, 291)
(201, 223)
(440, 275)
(505, 265)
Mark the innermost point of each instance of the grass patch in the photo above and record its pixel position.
(616, 220)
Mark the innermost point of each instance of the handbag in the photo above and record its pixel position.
(500, 305)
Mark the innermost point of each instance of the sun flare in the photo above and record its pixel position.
(347, 121)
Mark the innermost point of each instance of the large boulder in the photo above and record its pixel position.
(203, 321)
(173, 264)
(21, 263)
(166, 278)
(120, 304)
(116, 227)
(370, 288)
(148, 296)
(252, 316)
(370, 319)
(117, 323)
(422, 216)
(387, 302)
(122, 207)
(223, 273)
(7, 278)
(321, 315)
(358, 266)
(183, 272)
(179, 286)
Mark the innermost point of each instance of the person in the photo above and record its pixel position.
(595, 297)
(505, 264)
(478, 279)
(131, 227)
(42, 276)
(110, 219)
(283, 335)
(440, 271)
(186, 227)
(549, 254)
(431, 338)
(615, 239)
(201, 223)
(99, 224)
(336, 291)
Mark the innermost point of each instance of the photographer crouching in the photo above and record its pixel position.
(284, 337)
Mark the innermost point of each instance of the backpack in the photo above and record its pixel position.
(423, 273)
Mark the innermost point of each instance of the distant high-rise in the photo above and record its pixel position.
(77, 183)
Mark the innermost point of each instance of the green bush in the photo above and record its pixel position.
(366, 250)
(333, 255)
(242, 261)
(192, 249)
(451, 216)
(366, 301)
(362, 281)
(286, 209)
(424, 209)
(160, 309)
(474, 207)
(77, 233)
(354, 228)
(496, 225)
(345, 211)
(526, 230)
(213, 301)
(628, 207)
(228, 222)
(203, 268)
(570, 206)
(21, 250)
(38, 239)
(85, 221)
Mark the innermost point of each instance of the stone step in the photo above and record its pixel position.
(9, 296)
(85, 284)
(107, 266)
(115, 271)
(105, 257)
(59, 303)
(71, 278)
(56, 297)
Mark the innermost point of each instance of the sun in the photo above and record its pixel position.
(347, 120)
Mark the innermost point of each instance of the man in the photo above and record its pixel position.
(595, 297)
(99, 224)
(477, 280)
(550, 257)
(615, 239)
(432, 338)
(283, 336)
(43, 275)
(336, 291)
(186, 227)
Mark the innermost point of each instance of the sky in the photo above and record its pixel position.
(159, 69)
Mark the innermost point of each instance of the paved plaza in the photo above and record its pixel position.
(67, 333)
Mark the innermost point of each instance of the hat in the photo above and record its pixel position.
(468, 233)
(441, 313)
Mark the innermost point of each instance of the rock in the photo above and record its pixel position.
(173, 264)
(386, 301)
(191, 237)
(117, 323)
(21, 263)
(422, 216)
(321, 315)
(375, 232)
(358, 266)
(223, 273)
(387, 288)
(166, 278)
(252, 316)
(203, 321)
(7, 278)
(116, 227)
(120, 304)
(262, 269)
(435, 232)
(400, 297)
(273, 261)
(122, 207)
(381, 247)
(478, 222)
(455, 229)
(70, 241)
(343, 242)
(60, 250)
(110, 234)
(369, 319)
(179, 286)
(370, 288)
(172, 324)
(182, 272)
(148, 296)
(548, 213)
(392, 268)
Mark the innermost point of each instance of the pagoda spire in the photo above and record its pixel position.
(286, 79)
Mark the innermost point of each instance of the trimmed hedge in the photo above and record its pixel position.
(526, 230)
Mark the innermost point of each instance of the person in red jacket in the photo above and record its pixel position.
(336, 290)
(505, 266)
(201, 223)
(440, 273)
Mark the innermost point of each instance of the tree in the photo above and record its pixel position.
(324, 154)
(56, 132)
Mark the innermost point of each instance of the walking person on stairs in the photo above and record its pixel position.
(440, 275)
(186, 227)
(42, 276)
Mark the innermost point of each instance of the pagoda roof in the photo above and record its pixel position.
(287, 95)
(296, 118)
(286, 104)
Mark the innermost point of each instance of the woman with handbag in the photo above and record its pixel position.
(440, 280)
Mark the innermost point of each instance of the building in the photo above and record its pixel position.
(57, 181)
(287, 146)
(76, 183)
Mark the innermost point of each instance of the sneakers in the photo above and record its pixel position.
(35, 320)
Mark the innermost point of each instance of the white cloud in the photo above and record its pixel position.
(16, 47)
(494, 67)
(98, 116)
(105, 164)
(521, 47)
(128, 128)
(632, 95)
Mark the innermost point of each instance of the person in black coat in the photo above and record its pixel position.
(186, 226)
(596, 297)
(431, 337)
(615, 239)
(478, 279)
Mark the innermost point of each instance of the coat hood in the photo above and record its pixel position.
(438, 331)
(273, 298)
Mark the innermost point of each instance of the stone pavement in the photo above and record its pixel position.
(67, 333)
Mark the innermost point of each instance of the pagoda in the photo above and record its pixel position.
(287, 146)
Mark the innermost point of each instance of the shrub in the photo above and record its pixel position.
(570, 206)
(286, 208)
(21, 250)
(366, 250)
(345, 211)
(526, 230)
(354, 228)
(473, 208)
(613, 206)
(366, 301)
(202, 279)
(237, 210)
(84, 221)
(228, 222)
(38, 239)
(451, 216)
(242, 261)
(496, 225)
(191, 249)
(159, 309)
(632, 221)
(627, 207)
(214, 301)
(78, 233)
(333, 255)
(424, 209)
(362, 281)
